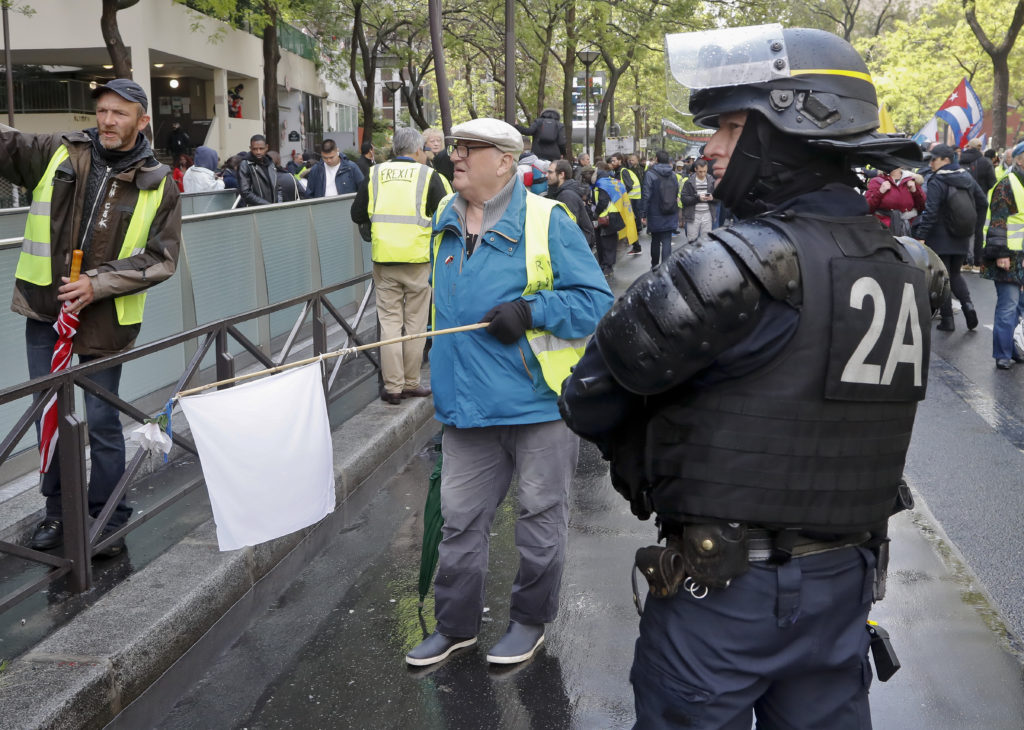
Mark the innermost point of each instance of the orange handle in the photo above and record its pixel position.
(76, 264)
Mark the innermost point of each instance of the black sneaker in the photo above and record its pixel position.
(48, 535)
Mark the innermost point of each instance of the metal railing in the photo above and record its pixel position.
(12, 220)
(283, 326)
(35, 96)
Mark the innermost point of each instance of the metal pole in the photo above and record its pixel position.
(440, 75)
(9, 70)
(586, 130)
(510, 61)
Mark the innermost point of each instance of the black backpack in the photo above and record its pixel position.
(548, 130)
(958, 213)
(668, 190)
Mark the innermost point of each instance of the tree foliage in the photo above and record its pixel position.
(916, 65)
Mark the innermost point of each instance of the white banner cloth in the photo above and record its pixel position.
(265, 448)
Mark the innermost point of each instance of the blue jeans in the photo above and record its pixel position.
(1009, 310)
(661, 247)
(106, 437)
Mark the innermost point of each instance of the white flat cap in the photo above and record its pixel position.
(492, 131)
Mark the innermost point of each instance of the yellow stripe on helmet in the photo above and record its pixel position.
(832, 72)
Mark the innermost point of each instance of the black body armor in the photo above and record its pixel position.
(817, 438)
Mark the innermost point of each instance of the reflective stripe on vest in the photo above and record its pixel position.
(129, 307)
(1015, 222)
(34, 262)
(400, 226)
(556, 356)
(634, 193)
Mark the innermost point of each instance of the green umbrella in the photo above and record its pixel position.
(432, 523)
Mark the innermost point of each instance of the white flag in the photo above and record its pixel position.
(265, 448)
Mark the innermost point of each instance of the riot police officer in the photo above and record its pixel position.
(757, 393)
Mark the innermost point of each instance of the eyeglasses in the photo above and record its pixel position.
(462, 149)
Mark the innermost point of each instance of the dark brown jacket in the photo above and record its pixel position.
(23, 160)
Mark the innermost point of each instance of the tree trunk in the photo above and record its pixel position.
(364, 91)
(271, 57)
(569, 77)
(542, 76)
(414, 106)
(1000, 96)
(112, 37)
(1000, 71)
(614, 74)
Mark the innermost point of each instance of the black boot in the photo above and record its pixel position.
(946, 324)
(970, 315)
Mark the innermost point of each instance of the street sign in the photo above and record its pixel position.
(643, 144)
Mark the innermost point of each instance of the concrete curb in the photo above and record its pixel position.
(91, 669)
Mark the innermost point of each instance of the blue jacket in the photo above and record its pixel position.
(348, 179)
(476, 380)
(650, 202)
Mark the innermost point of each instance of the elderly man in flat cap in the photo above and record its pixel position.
(518, 261)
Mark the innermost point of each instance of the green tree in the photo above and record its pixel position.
(995, 18)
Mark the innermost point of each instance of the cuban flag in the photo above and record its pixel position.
(962, 111)
(929, 132)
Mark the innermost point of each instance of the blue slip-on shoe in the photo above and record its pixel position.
(435, 648)
(518, 644)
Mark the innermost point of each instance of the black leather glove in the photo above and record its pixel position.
(364, 232)
(509, 321)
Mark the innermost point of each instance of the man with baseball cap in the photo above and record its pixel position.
(102, 191)
(516, 260)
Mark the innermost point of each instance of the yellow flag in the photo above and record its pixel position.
(884, 122)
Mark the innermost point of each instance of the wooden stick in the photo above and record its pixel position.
(329, 355)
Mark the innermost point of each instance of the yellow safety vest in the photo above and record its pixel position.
(1015, 222)
(34, 261)
(556, 356)
(397, 206)
(635, 192)
(682, 181)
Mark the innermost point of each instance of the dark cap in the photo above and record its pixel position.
(943, 150)
(126, 89)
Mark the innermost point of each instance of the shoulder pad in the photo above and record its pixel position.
(675, 320)
(934, 270)
(768, 253)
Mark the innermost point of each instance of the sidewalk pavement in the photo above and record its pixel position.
(86, 672)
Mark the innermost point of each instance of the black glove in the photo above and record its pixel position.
(364, 232)
(509, 321)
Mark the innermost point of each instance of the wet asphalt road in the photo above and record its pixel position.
(329, 654)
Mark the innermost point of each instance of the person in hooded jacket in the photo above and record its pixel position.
(548, 135)
(931, 229)
(609, 221)
(896, 199)
(568, 192)
(981, 169)
(654, 203)
(202, 176)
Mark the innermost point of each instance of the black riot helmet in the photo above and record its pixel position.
(811, 100)
(805, 82)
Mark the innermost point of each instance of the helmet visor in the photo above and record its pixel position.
(724, 57)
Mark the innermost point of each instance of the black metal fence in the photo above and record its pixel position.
(82, 535)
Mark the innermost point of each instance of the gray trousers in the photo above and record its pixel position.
(475, 477)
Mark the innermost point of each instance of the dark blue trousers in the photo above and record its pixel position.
(786, 643)
(106, 437)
